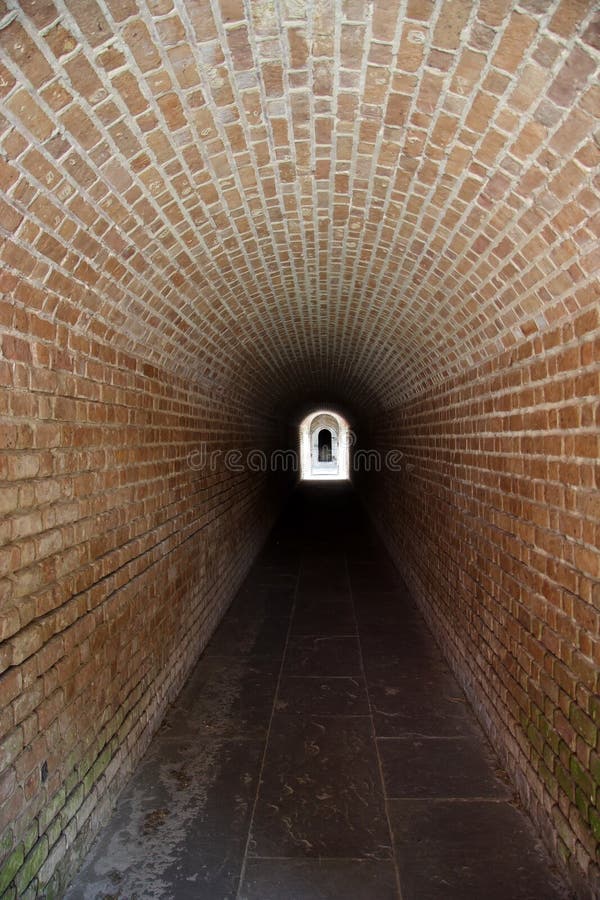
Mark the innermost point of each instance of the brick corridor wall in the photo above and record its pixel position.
(494, 520)
(117, 560)
(274, 200)
(351, 196)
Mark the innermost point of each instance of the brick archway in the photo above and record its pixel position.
(311, 465)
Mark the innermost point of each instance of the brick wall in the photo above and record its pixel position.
(351, 195)
(494, 520)
(269, 201)
(117, 559)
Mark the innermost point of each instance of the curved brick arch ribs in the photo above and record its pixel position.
(218, 217)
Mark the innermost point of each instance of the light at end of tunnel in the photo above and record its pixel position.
(324, 447)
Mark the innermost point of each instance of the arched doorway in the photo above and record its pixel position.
(324, 446)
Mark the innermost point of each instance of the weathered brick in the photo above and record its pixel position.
(31, 865)
(517, 37)
(10, 867)
(571, 78)
(201, 229)
(431, 426)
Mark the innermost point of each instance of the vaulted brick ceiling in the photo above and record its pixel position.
(285, 196)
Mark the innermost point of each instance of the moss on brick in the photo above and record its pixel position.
(582, 803)
(582, 778)
(86, 763)
(51, 809)
(583, 725)
(549, 780)
(6, 842)
(550, 735)
(535, 738)
(565, 781)
(564, 831)
(53, 832)
(72, 767)
(11, 866)
(563, 850)
(595, 768)
(32, 865)
(53, 891)
(31, 836)
(72, 804)
(96, 771)
(595, 823)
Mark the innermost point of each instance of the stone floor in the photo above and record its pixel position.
(321, 749)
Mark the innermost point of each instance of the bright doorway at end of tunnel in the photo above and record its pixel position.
(324, 447)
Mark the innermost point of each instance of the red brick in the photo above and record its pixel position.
(17, 44)
(248, 219)
(516, 39)
(571, 77)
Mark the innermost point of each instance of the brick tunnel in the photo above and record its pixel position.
(218, 217)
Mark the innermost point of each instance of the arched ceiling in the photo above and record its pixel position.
(351, 198)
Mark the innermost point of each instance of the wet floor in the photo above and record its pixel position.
(321, 750)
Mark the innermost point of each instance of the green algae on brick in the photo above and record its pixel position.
(96, 771)
(583, 725)
(563, 850)
(550, 735)
(11, 866)
(595, 823)
(565, 781)
(535, 738)
(582, 803)
(32, 864)
(595, 768)
(30, 837)
(72, 804)
(549, 780)
(54, 832)
(6, 842)
(51, 809)
(582, 777)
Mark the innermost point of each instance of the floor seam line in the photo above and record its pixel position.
(267, 736)
(393, 857)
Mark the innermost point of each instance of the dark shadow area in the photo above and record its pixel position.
(324, 439)
(321, 748)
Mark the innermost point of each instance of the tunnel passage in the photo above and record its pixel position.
(321, 748)
(218, 217)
